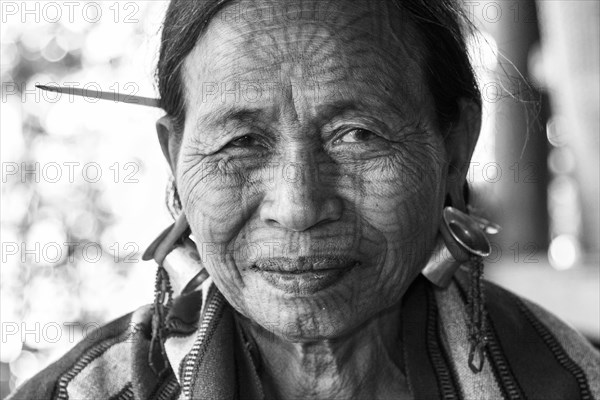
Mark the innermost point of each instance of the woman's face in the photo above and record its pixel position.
(311, 169)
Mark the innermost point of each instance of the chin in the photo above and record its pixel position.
(323, 315)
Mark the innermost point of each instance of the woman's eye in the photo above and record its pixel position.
(356, 136)
(244, 141)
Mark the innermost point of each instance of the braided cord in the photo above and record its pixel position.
(476, 315)
(163, 299)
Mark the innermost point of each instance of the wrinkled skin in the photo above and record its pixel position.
(310, 132)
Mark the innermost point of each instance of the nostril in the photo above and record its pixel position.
(272, 222)
(300, 216)
(298, 207)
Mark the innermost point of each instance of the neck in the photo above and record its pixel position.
(366, 363)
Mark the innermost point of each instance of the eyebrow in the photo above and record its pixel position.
(339, 107)
(221, 116)
(343, 106)
(403, 123)
(224, 115)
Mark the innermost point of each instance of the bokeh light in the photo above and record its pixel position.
(73, 237)
(564, 252)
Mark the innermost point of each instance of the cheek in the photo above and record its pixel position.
(401, 197)
(401, 194)
(217, 198)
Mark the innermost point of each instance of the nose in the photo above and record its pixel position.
(297, 200)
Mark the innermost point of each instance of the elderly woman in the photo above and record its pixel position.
(319, 152)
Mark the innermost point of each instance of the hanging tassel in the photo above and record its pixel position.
(476, 316)
(163, 292)
(163, 299)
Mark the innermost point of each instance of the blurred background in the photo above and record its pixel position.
(83, 181)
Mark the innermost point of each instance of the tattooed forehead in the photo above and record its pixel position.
(322, 47)
(342, 14)
(309, 32)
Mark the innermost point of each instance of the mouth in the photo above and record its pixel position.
(303, 275)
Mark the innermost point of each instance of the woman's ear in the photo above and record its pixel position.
(460, 143)
(169, 140)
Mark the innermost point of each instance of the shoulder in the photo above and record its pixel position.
(531, 353)
(554, 341)
(98, 365)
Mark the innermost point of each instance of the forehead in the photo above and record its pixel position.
(336, 50)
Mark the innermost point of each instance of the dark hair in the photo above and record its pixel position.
(441, 24)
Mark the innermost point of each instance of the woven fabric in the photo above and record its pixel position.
(209, 357)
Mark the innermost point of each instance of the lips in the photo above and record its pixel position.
(303, 264)
(303, 275)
